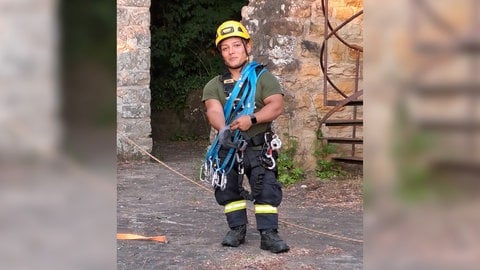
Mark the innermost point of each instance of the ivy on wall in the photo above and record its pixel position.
(183, 51)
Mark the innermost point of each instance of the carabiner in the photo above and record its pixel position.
(269, 153)
(203, 172)
(223, 180)
(273, 163)
(239, 157)
(215, 178)
(276, 143)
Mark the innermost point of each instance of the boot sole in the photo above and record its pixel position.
(284, 249)
(232, 245)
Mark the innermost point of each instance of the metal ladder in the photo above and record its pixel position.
(337, 98)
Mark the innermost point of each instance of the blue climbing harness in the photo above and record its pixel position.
(238, 103)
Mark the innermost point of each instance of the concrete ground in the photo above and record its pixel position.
(321, 221)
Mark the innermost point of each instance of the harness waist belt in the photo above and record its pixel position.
(257, 140)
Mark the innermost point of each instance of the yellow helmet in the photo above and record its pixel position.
(231, 29)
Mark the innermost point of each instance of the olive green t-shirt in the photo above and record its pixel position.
(267, 85)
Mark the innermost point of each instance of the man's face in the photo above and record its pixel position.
(233, 52)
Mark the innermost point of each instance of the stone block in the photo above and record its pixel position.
(357, 4)
(136, 111)
(135, 60)
(309, 70)
(347, 86)
(343, 13)
(282, 26)
(132, 78)
(134, 3)
(134, 36)
(135, 94)
(316, 28)
(127, 16)
(300, 9)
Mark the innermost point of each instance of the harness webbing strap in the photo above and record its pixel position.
(246, 105)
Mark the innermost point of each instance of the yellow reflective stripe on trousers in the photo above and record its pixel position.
(235, 206)
(265, 209)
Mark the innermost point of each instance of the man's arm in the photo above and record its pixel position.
(272, 109)
(215, 115)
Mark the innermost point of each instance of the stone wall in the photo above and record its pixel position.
(287, 36)
(133, 77)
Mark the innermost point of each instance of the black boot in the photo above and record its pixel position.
(235, 236)
(271, 241)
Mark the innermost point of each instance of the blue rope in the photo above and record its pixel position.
(245, 106)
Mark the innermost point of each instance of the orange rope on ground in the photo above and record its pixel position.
(211, 191)
(130, 236)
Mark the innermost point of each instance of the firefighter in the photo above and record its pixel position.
(241, 105)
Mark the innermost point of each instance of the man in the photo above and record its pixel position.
(241, 104)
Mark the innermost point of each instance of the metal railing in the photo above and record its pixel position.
(344, 97)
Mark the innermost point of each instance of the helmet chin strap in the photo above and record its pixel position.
(244, 41)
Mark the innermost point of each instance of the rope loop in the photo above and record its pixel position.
(241, 101)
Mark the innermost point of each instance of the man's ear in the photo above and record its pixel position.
(249, 47)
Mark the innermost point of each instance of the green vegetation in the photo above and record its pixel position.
(184, 56)
(326, 168)
(288, 172)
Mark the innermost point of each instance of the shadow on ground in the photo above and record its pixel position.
(321, 221)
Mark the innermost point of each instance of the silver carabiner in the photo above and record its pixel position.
(242, 145)
(238, 157)
(215, 179)
(209, 170)
(203, 172)
(265, 139)
(273, 163)
(269, 152)
(223, 181)
(241, 169)
(276, 143)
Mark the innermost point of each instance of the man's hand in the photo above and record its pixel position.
(243, 123)
(225, 137)
(272, 109)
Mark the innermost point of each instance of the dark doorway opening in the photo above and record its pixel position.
(183, 60)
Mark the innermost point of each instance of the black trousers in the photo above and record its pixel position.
(266, 201)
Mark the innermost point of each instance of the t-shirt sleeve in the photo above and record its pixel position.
(210, 90)
(270, 85)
